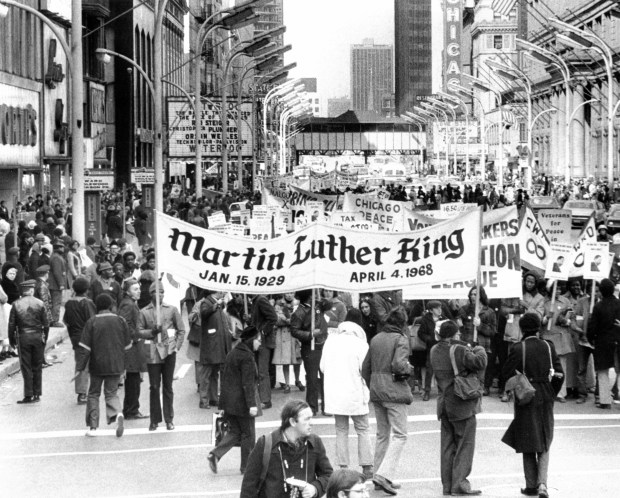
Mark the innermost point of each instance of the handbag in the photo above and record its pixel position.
(220, 428)
(466, 387)
(415, 343)
(512, 333)
(520, 385)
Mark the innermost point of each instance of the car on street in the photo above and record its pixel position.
(581, 210)
(613, 219)
(539, 202)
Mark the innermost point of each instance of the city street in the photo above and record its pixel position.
(49, 436)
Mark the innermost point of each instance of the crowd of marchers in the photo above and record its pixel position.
(369, 350)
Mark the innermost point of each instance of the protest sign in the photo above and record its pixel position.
(450, 210)
(556, 224)
(500, 262)
(319, 255)
(414, 220)
(596, 261)
(557, 263)
(338, 218)
(217, 219)
(588, 234)
(296, 198)
(534, 243)
(389, 215)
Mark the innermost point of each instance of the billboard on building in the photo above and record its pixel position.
(181, 126)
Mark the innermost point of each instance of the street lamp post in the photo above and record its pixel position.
(466, 114)
(238, 15)
(267, 61)
(288, 92)
(450, 109)
(483, 86)
(579, 38)
(545, 56)
(513, 73)
(469, 93)
(434, 109)
(251, 47)
(436, 117)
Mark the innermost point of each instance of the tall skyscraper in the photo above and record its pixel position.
(413, 33)
(371, 75)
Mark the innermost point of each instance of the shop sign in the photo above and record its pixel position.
(19, 127)
(98, 180)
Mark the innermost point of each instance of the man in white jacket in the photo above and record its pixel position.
(346, 393)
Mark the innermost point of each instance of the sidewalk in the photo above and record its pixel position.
(10, 366)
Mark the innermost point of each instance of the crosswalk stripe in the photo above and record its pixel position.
(272, 424)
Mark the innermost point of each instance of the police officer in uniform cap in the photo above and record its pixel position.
(28, 328)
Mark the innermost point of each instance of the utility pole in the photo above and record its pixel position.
(77, 124)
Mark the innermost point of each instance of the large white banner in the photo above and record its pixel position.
(500, 262)
(319, 255)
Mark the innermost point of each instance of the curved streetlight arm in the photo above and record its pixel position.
(539, 115)
(131, 62)
(559, 61)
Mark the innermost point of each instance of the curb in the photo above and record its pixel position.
(11, 366)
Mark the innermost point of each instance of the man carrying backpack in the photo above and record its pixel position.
(290, 458)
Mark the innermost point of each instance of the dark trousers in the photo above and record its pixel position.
(458, 441)
(56, 296)
(428, 374)
(131, 403)
(314, 378)
(242, 433)
(110, 392)
(160, 376)
(489, 373)
(208, 376)
(583, 356)
(263, 358)
(31, 353)
(502, 356)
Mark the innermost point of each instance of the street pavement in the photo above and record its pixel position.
(43, 450)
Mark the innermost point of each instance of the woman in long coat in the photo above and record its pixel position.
(531, 431)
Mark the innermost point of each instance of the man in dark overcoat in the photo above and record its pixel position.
(239, 399)
(604, 334)
(531, 430)
(215, 344)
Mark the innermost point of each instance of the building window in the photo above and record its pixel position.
(498, 42)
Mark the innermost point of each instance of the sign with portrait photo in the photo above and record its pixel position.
(596, 264)
(558, 266)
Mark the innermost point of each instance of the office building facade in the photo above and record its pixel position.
(371, 75)
(413, 36)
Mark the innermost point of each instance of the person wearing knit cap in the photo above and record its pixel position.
(78, 310)
(604, 334)
(167, 332)
(239, 399)
(457, 416)
(531, 430)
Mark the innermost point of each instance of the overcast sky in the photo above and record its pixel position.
(322, 32)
